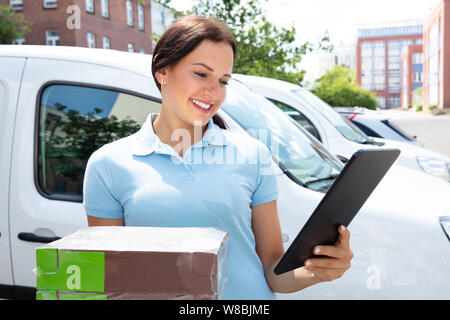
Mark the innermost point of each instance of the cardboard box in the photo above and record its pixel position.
(134, 263)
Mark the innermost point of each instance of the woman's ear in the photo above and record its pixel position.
(161, 75)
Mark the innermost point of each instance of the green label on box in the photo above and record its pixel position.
(83, 296)
(46, 295)
(70, 270)
(52, 295)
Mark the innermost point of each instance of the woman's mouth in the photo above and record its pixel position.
(202, 106)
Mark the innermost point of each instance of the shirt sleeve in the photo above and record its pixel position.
(266, 182)
(98, 198)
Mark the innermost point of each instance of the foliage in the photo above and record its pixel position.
(12, 25)
(262, 49)
(418, 96)
(432, 107)
(338, 87)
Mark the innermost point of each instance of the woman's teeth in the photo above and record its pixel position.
(201, 104)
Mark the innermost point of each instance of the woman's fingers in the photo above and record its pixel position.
(330, 263)
(344, 237)
(341, 249)
(334, 251)
(335, 260)
(326, 274)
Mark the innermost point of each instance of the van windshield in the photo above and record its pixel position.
(292, 147)
(343, 125)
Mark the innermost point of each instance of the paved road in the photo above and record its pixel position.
(432, 131)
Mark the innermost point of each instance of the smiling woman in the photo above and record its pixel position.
(183, 38)
(134, 181)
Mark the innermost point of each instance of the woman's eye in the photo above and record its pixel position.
(201, 75)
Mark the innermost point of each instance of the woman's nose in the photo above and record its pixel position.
(212, 90)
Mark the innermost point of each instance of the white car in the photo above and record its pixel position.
(336, 132)
(60, 103)
(377, 125)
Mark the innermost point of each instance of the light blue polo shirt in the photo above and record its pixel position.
(215, 184)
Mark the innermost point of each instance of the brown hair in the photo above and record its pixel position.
(182, 37)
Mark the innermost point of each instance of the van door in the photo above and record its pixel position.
(9, 91)
(60, 122)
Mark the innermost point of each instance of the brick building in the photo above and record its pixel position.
(378, 58)
(112, 24)
(436, 86)
(411, 73)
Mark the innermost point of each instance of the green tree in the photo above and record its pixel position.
(12, 25)
(418, 96)
(338, 87)
(262, 48)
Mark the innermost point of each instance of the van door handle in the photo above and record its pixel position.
(31, 237)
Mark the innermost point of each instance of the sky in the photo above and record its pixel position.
(341, 18)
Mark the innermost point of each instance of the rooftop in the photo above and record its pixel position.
(137, 62)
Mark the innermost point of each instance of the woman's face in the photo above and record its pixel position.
(195, 87)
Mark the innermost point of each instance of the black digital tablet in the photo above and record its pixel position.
(352, 187)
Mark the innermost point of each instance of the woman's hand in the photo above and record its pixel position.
(337, 261)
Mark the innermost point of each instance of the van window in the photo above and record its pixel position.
(75, 121)
(397, 129)
(338, 121)
(367, 130)
(299, 117)
(292, 147)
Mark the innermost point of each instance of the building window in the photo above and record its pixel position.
(417, 58)
(16, 4)
(52, 37)
(417, 77)
(394, 101)
(142, 50)
(373, 65)
(50, 4)
(141, 17)
(90, 40)
(381, 102)
(106, 43)
(105, 8)
(129, 13)
(130, 47)
(19, 41)
(89, 6)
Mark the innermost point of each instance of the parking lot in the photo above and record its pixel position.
(433, 131)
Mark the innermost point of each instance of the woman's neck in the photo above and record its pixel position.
(175, 132)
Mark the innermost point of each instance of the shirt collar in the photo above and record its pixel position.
(147, 142)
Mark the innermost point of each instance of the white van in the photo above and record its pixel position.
(336, 132)
(59, 104)
(375, 124)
